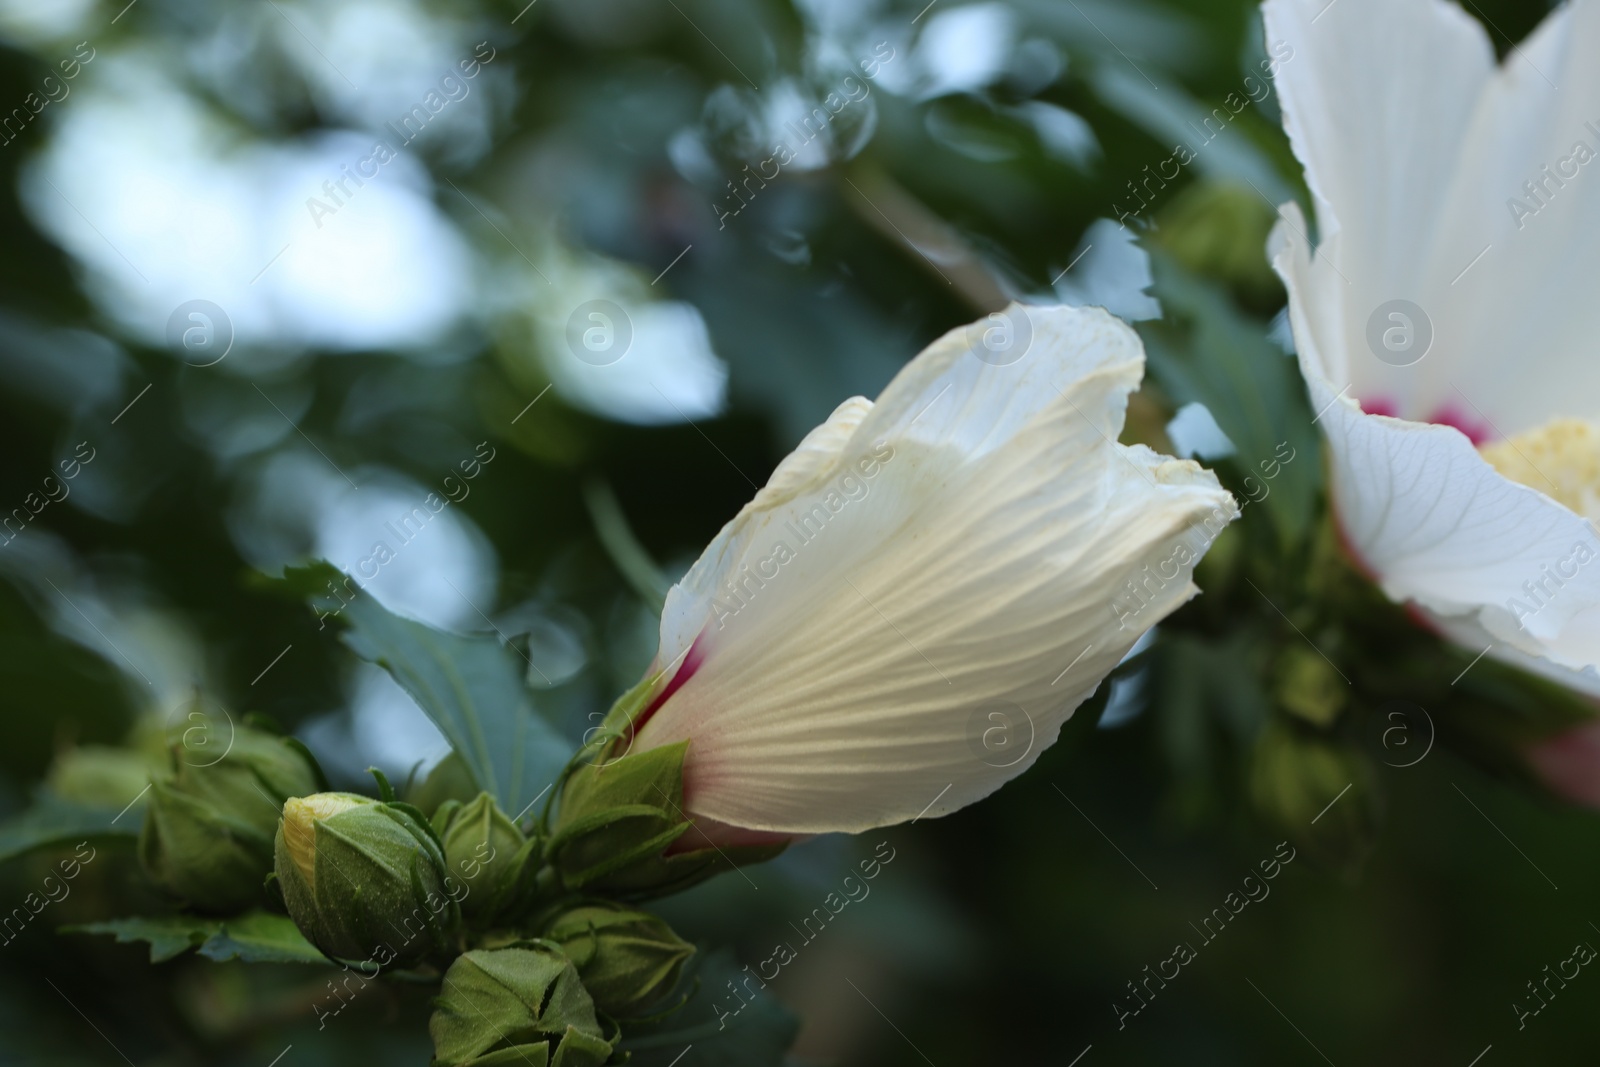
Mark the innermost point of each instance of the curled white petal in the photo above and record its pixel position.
(929, 586)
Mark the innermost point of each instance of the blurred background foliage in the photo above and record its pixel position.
(387, 336)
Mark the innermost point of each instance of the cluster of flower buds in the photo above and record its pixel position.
(532, 926)
(533, 949)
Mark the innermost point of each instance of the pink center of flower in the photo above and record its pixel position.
(1477, 430)
(691, 663)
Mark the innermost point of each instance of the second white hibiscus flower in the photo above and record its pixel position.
(1442, 319)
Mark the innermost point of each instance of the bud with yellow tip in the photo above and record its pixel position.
(366, 880)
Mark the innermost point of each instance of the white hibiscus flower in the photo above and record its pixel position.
(926, 589)
(1441, 320)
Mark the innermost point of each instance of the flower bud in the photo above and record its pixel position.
(366, 880)
(1308, 686)
(1298, 780)
(485, 850)
(449, 780)
(208, 826)
(619, 827)
(519, 1005)
(628, 960)
(103, 777)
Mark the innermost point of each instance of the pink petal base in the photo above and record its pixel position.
(709, 833)
(1569, 764)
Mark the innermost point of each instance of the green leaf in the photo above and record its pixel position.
(168, 935)
(471, 687)
(261, 937)
(53, 821)
(1167, 111)
(255, 937)
(723, 1034)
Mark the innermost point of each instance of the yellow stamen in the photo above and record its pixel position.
(1561, 459)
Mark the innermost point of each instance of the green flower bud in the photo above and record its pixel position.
(1217, 230)
(365, 880)
(208, 825)
(628, 960)
(1296, 776)
(484, 849)
(523, 1005)
(449, 780)
(1308, 686)
(103, 777)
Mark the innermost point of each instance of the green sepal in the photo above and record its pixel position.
(607, 842)
(1308, 686)
(199, 852)
(580, 1049)
(414, 819)
(440, 820)
(524, 999)
(654, 777)
(385, 790)
(520, 892)
(208, 828)
(629, 960)
(617, 821)
(617, 818)
(616, 729)
(515, 1056)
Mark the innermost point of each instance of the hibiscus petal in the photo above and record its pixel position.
(1376, 104)
(1417, 148)
(1466, 632)
(688, 602)
(947, 571)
